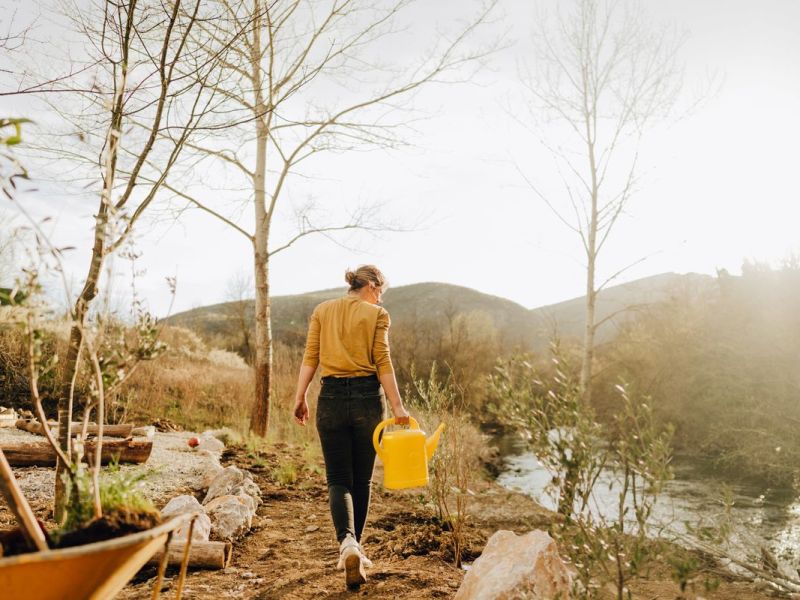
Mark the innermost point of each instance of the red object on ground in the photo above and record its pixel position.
(193, 442)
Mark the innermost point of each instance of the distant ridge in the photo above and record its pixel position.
(430, 303)
(614, 305)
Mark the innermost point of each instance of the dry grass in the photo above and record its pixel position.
(286, 365)
(196, 394)
(201, 388)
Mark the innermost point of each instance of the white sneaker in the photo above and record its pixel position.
(367, 562)
(352, 561)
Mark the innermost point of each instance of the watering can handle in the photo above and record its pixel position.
(383, 424)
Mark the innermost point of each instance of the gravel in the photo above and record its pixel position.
(172, 469)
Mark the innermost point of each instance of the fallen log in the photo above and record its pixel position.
(122, 431)
(41, 454)
(202, 555)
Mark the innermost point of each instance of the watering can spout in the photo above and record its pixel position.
(433, 441)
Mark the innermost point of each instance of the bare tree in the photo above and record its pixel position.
(304, 81)
(147, 91)
(604, 76)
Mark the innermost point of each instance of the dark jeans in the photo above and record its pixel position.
(348, 411)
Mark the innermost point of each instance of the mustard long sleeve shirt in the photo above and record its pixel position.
(349, 337)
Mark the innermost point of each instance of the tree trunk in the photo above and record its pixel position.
(259, 417)
(65, 407)
(590, 121)
(588, 335)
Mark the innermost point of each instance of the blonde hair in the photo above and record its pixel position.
(363, 276)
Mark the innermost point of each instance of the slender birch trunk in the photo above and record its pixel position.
(259, 417)
(591, 254)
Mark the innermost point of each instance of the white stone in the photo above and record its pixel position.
(230, 517)
(210, 470)
(250, 502)
(207, 441)
(514, 567)
(188, 504)
(232, 481)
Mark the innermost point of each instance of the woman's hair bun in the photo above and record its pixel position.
(364, 275)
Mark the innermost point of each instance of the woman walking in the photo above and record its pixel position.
(349, 338)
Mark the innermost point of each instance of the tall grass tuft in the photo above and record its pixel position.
(461, 452)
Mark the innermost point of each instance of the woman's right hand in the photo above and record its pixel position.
(300, 410)
(401, 417)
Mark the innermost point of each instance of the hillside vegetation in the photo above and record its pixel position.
(717, 356)
(722, 366)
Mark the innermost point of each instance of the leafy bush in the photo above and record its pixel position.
(567, 439)
(561, 430)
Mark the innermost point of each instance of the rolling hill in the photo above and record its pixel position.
(425, 304)
(614, 305)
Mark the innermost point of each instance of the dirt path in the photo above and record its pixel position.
(291, 552)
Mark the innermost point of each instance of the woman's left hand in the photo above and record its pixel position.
(301, 411)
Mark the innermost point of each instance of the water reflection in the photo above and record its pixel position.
(758, 517)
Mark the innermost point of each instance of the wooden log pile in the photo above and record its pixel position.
(122, 431)
(117, 445)
(41, 454)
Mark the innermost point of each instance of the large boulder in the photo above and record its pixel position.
(188, 504)
(232, 481)
(514, 567)
(230, 517)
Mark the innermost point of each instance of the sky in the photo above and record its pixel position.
(717, 183)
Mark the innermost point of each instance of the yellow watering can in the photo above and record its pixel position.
(405, 454)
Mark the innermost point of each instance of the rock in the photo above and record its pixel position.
(207, 441)
(250, 502)
(211, 469)
(188, 504)
(312, 528)
(230, 517)
(514, 567)
(232, 481)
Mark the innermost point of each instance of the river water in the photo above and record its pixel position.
(758, 516)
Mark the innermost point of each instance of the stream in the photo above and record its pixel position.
(758, 516)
